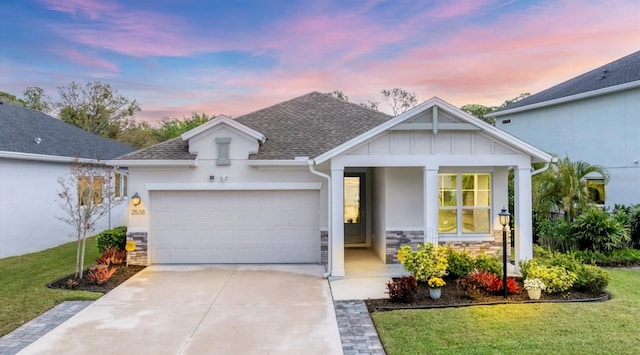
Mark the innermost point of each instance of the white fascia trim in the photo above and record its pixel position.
(248, 186)
(228, 121)
(47, 158)
(464, 238)
(436, 161)
(503, 136)
(277, 163)
(150, 163)
(584, 95)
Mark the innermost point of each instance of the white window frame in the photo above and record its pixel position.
(459, 234)
(120, 185)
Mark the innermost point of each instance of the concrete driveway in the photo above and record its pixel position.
(196, 309)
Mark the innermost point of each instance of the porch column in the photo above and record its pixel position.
(430, 201)
(337, 222)
(523, 215)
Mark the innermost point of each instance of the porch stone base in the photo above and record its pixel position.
(396, 239)
(138, 256)
(324, 248)
(492, 248)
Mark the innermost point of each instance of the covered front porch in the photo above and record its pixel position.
(433, 174)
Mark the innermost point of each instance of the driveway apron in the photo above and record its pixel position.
(205, 309)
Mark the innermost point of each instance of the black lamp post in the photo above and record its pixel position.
(504, 220)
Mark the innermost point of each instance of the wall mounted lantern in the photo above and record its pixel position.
(136, 200)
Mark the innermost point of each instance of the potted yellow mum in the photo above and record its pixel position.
(435, 287)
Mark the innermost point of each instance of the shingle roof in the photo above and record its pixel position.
(308, 125)
(621, 71)
(173, 149)
(24, 130)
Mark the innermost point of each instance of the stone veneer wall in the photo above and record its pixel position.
(324, 248)
(493, 248)
(138, 256)
(396, 239)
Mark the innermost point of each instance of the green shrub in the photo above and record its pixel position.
(555, 234)
(629, 216)
(556, 278)
(568, 261)
(112, 238)
(591, 278)
(488, 263)
(599, 231)
(618, 257)
(460, 264)
(424, 263)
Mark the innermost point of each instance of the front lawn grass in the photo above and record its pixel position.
(611, 327)
(23, 283)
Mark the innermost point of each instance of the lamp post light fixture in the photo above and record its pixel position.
(504, 220)
(135, 199)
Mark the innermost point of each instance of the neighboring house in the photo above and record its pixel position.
(35, 150)
(594, 117)
(300, 181)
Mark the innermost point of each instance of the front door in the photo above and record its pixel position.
(354, 209)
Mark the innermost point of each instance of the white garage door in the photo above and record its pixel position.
(234, 227)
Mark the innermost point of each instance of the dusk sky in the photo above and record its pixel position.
(233, 57)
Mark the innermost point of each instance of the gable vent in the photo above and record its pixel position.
(223, 144)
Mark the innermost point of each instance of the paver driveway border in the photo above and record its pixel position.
(212, 309)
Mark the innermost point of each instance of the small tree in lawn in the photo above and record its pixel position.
(86, 194)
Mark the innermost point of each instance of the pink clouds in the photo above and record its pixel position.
(462, 51)
(89, 60)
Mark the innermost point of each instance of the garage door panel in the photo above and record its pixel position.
(234, 227)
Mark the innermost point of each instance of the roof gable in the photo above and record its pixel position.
(435, 110)
(220, 120)
(621, 73)
(23, 130)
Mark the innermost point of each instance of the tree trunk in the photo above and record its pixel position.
(84, 243)
(78, 268)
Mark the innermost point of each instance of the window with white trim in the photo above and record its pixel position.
(464, 202)
(90, 190)
(120, 185)
(595, 190)
(223, 150)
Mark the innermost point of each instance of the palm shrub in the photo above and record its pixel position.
(599, 231)
(424, 263)
(629, 216)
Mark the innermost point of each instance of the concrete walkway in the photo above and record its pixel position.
(277, 309)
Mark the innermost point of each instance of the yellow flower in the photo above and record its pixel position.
(436, 282)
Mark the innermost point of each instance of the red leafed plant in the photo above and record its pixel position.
(491, 282)
(403, 289)
(112, 256)
(101, 273)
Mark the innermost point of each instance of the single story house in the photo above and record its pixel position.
(593, 117)
(300, 181)
(35, 150)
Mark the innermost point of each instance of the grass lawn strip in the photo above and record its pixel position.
(611, 327)
(24, 294)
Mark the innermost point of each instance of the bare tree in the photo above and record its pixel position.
(399, 100)
(86, 194)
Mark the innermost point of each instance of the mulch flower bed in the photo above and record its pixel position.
(121, 275)
(454, 296)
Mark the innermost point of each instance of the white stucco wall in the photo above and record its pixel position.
(603, 130)
(28, 207)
